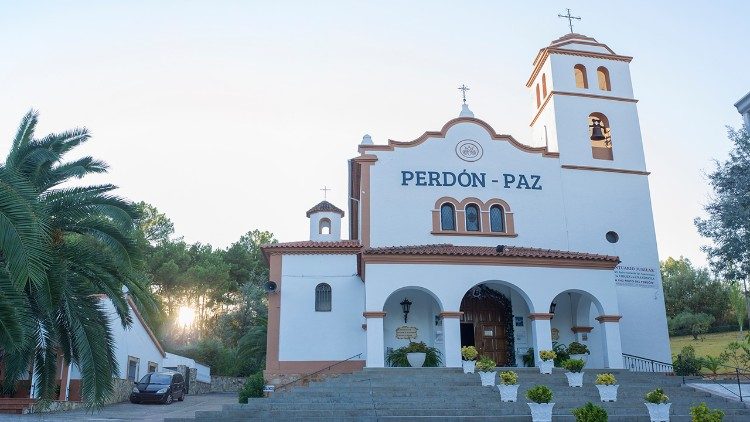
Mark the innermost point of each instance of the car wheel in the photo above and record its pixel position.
(182, 396)
(134, 401)
(169, 399)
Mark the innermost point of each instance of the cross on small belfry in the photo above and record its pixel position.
(325, 191)
(463, 88)
(570, 18)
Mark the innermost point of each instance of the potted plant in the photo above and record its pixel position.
(607, 385)
(469, 354)
(548, 361)
(590, 412)
(574, 374)
(508, 386)
(486, 369)
(541, 408)
(578, 350)
(658, 405)
(702, 413)
(400, 356)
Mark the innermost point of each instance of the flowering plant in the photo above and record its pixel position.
(546, 355)
(509, 378)
(605, 379)
(469, 352)
(486, 364)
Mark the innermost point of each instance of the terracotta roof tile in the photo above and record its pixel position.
(313, 244)
(508, 251)
(325, 206)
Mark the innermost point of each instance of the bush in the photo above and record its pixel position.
(574, 365)
(211, 352)
(561, 353)
(737, 355)
(605, 379)
(702, 413)
(509, 378)
(590, 412)
(398, 358)
(713, 364)
(486, 364)
(528, 358)
(469, 352)
(546, 355)
(253, 387)
(656, 396)
(539, 394)
(696, 324)
(576, 348)
(687, 363)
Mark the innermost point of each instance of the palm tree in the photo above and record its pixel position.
(61, 248)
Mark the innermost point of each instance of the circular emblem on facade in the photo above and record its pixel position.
(469, 150)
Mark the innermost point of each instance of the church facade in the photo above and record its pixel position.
(466, 236)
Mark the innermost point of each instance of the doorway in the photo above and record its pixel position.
(486, 324)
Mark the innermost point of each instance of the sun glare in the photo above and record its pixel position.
(185, 316)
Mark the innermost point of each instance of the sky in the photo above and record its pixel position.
(232, 115)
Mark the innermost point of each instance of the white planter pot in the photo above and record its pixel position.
(416, 360)
(579, 357)
(575, 379)
(469, 366)
(607, 392)
(541, 412)
(658, 412)
(508, 393)
(488, 378)
(545, 366)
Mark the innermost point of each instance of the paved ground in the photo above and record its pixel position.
(133, 412)
(728, 391)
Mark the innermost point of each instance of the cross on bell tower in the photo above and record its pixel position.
(463, 88)
(325, 192)
(570, 18)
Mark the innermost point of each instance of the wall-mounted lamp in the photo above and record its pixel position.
(437, 319)
(552, 307)
(405, 306)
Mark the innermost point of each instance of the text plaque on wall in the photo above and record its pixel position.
(405, 332)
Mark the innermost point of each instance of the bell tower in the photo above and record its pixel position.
(583, 105)
(325, 222)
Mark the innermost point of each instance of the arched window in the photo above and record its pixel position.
(323, 297)
(472, 218)
(601, 137)
(603, 75)
(538, 98)
(324, 226)
(579, 71)
(497, 219)
(447, 217)
(544, 85)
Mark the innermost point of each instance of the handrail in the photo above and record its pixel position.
(318, 371)
(737, 373)
(642, 364)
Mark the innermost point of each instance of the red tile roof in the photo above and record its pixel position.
(313, 244)
(325, 206)
(508, 251)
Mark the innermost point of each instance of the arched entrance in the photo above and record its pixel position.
(487, 324)
(420, 324)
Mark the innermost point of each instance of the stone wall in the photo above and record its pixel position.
(120, 391)
(220, 384)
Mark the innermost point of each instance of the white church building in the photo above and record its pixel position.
(486, 240)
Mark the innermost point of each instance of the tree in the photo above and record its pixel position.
(696, 324)
(737, 301)
(690, 289)
(155, 226)
(61, 247)
(728, 221)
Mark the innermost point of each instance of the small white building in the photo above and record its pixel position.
(484, 239)
(743, 106)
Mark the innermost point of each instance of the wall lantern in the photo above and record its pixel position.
(552, 307)
(405, 305)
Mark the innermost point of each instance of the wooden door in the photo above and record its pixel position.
(490, 333)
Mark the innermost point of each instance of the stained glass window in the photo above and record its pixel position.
(323, 298)
(447, 217)
(497, 223)
(472, 218)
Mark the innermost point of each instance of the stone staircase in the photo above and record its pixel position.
(447, 394)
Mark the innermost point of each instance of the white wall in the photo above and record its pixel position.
(307, 335)
(424, 308)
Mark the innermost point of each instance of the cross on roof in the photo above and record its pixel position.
(463, 88)
(570, 18)
(325, 191)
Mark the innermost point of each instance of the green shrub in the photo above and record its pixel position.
(702, 413)
(656, 396)
(211, 352)
(561, 353)
(539, 394)
(469, 352)
(713, 364)
(253, 387)
(576, 348)
(697, 324)
(687, 363)
(605, 379)
(509, 378)
(574, 365)
(546, 355)
(590, 412)
(397, 357)
(485, 364)
(528, 358)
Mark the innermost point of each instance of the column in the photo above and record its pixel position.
(612, 346)
(64, 380)
(452, 337)
(541, 330)
(375, 343)
(67, 383)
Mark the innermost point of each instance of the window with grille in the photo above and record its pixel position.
(472, 218)
(497, 219)
(323, 298)
(447, 217)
